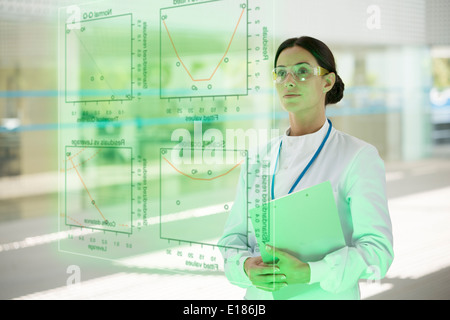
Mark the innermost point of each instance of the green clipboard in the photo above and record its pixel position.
(306, 224)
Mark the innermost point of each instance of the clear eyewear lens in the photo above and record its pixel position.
(300, 72)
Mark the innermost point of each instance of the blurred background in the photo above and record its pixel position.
(394, 57)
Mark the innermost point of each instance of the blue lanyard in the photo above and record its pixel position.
(307, 166)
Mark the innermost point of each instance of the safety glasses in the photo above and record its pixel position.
(300, 72)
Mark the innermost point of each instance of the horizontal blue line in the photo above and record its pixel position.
(139, 122)
(29, 94)
(84, 94)
(156, 92)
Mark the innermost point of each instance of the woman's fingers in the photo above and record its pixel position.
(264, 276)
(269, 279)
(271, 282)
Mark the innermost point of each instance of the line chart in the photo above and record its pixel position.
(87, 190)
(221, 60)
(94, 197)
(98, 60)
(189, 186)
(204, 49)
(203, 179)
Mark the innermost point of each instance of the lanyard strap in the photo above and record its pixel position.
(307, 166)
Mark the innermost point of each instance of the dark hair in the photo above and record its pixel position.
(324, 58)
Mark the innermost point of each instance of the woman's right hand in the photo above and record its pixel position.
(264, 276)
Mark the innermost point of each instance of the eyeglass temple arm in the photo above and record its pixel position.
(321, 71)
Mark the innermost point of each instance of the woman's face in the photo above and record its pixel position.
(299, 97)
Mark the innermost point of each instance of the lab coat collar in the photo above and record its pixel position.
(306, 144)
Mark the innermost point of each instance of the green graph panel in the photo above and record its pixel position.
(197, 193)
(204, 49)
(98, 188)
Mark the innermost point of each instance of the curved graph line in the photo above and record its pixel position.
(203, 179)
(85, 188)
(221, 60)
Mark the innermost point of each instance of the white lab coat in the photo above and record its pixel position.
(357, 175)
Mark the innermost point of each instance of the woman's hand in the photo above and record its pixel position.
(264, 276)
(296, 271)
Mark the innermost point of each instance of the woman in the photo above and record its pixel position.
(311, 152)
